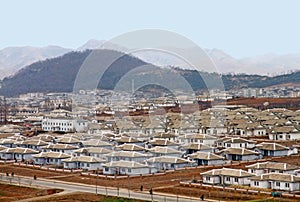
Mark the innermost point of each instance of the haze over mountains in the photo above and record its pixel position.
(61, 73)
(12, 59)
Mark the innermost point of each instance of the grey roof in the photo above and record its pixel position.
(276, 177)
(273, 166)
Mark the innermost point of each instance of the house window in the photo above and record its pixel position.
(277, 184)
(87, 165)
(287, 185)
(207, 178)
(228, 145)
(227, 179)
(256, 183)
(106, 169)
(236, 179)
(129, 170)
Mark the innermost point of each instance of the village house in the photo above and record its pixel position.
(98, 152)
(31, 144)
(168, 136)
(98, 128)
(97, 143)
(63, 148)
(131, 147)
(17, 153)
(195, 147)
(164, 151)
(129, 140)
(207, 158)
(272, 167)
(197, 138)
(7, 142)
(83, 162)
(163, 143)
(235, 142)
(226, 176)
(127, 168)
(272, 149)
(284, 133)
(50, 158)
(126, 156)
(71, 140)
(169, 162)
(276, 181)
(239, 154)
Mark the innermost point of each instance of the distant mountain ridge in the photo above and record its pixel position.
(13, 59)
(58, 75)
(267, 65)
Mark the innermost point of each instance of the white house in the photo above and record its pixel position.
(126, 156)
(17, 153)
(127, 168)
(168, 136)
(237, 142)
(164, 143)
(226, 176)
(97, 143)
(98, 152)
(53, 158)
(272, 149)
(239, 154)
(31, 144)
(83, 162)
(165, 151)
(276, 181)
(63, 148)
(131, 147)
(272, 167)
(207, 158)
(284, 133)
(195, 147)
(197, 138)
(169, 162)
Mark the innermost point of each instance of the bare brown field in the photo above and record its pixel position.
(12, 192)
(82, 197)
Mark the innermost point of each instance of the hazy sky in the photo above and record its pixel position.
(240, 28)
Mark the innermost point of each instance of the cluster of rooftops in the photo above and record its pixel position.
(149, 144)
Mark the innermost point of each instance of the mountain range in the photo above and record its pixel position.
(12, 59)
(59, 75)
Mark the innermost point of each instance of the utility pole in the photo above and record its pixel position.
(97, 183)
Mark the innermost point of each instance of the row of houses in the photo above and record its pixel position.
(111, 153)
(276, 124)
(265, 175)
